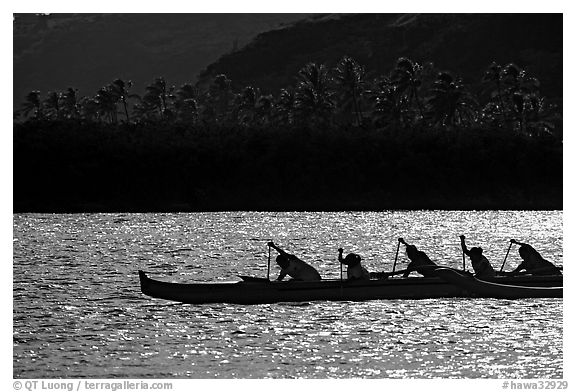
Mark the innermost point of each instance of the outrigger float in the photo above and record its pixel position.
(448, 283)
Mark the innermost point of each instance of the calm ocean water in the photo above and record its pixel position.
(79, 312)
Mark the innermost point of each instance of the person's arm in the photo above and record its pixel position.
(518, 242)
(409, 269)
(272, 245)
(282, 275)
(463, 243)
(528, 248)
(517, 269)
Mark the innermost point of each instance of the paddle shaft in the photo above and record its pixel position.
(396, 258)
(463, 261)
(505, 257)
(268, 275)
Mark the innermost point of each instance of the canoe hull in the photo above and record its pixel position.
(482, 288)
(258, 292)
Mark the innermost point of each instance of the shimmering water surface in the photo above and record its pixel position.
(78, 310)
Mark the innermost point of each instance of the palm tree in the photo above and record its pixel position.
(313, 100)
(264, 109)
(106, 100)
(495, 111)
(283, 110)
(52, 104)
(186, 91)
(406, 76)
(70, 103)
(515, 79)
(187, 111)
(219, 98)
(349, 77)
(146, 108)
(493, 76)
(185, 103)
(450, 103)
(388, 106)
(154, 101)
(90, 109)
(121, 89)
(158, 94)
(32, 104)
(512, 91)
(531, 114)
(246, 106)
(538, 116)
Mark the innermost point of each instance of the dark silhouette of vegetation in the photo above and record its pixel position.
(349, 77)
(415, 137)
(32, 105)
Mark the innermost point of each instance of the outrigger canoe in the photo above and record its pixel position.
(447, 284)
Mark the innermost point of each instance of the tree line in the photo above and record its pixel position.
(337, 140)
(411, 95)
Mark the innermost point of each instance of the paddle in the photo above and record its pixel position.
(268, 276)
(340, 250)
(462, 238)
(396, 258)
(505, 257)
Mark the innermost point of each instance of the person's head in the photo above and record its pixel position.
(282, 261)
(527, 252)
(476, 253)
(352, 259)
(411, 251)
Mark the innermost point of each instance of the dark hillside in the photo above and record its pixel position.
(463, 43)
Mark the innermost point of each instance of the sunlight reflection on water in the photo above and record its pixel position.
(78, 310)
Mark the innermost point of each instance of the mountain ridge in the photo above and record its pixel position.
(86, 51)
(465, 44)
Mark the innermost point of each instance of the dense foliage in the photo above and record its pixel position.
(413, 138)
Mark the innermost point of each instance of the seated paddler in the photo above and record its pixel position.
(294, 267)
(482, 267)
(354, 270)
(419, 261)
(532, 262)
